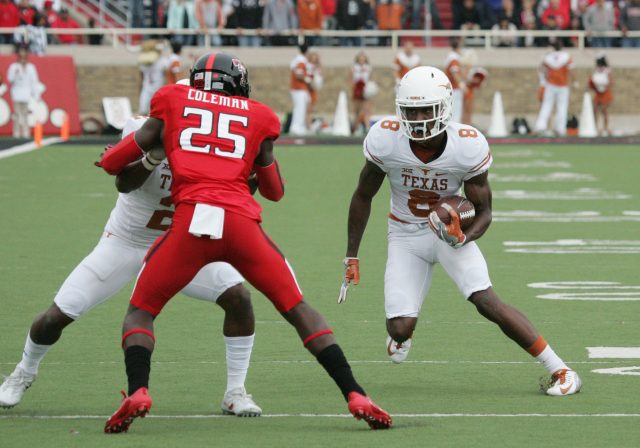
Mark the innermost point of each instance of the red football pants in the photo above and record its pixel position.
(177, 256)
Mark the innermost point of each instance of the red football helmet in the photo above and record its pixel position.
(222, 73)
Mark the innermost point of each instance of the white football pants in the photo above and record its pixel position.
(560, 97)
(300, 99)
(113, 263)
(413, 251)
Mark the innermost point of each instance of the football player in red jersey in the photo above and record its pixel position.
(215, 137)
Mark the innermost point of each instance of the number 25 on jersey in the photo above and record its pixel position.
(206, 128)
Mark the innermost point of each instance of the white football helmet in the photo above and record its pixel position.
(424, 87)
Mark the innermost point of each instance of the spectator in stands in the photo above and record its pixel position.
(310, 19)
(314, 71)
(181, 16)
(94, 39)
(575, 25)
(278, 21)
(136, 14)
(299, 89)
(630, 21)
(22, 77)
(329, 20)
(210, 21)
(360, 76)
(550, 25)
(597, 19)
(231, 22)
(49, 11)
(472, 15)
(505, 25)
(405, 60)
(601, 83)
(389, 17)
(65, 22)
(27, 12)
(418, 15)
(249, 14)
(9, 18)
(33, 36)
(557, 67)
(508, 10)
(175, 71)
(529, 23)
(559, 15)
(351, 15)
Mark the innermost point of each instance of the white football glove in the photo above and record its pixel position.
(351, 275)
(451, 233)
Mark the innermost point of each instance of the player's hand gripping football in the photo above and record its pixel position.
(449, 233)
(351, 275)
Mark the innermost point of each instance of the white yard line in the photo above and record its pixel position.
(313, 362)
(28, 147)
(215, 416)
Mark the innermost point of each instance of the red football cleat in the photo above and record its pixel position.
(136, 405)
(361, 407)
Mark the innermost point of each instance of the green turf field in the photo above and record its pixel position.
(464, 385)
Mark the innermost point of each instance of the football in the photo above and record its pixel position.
(460, 204)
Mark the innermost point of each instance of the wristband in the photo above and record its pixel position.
(149, 162)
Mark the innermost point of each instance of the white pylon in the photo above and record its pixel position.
(498, 126)
(341, 124)
(587, 125)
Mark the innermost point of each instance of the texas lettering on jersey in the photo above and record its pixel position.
(415, 185)
(140, 216)
(211, 142)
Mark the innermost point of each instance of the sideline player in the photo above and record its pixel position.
(214, 137)
(138, 218)
(426, 157)
(557, 69)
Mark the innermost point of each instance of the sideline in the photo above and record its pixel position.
(28, 147)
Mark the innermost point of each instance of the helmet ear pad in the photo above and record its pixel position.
(424, 88)
(222, 73)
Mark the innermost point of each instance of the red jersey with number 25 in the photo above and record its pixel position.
(211, 141)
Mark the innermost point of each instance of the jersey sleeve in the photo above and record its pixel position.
(132, 125)
(479, 159)
(373, 146)
(271, 124)
(160, 103)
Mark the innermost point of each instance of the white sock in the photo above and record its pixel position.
(550, 360)
(238, 356)
(32, 355)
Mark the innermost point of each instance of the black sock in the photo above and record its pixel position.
(333, 360)
(137, 360)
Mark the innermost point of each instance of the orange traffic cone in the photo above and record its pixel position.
(37, 134)
(64, 129)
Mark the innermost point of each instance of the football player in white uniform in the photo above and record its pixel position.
(426, 157)
(139, 217)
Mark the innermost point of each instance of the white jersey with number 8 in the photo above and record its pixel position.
(416, 185)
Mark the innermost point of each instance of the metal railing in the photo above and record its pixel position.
(484, 38)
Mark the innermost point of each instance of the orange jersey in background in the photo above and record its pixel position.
(557, 66)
